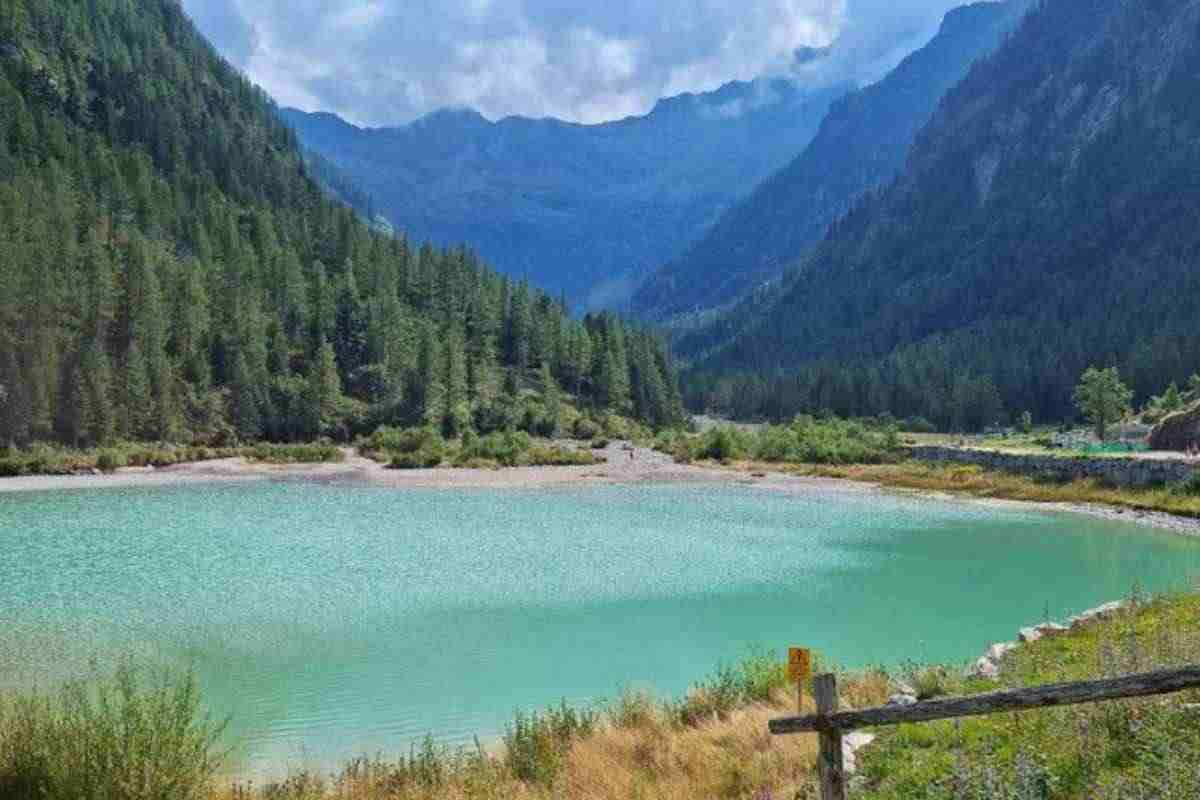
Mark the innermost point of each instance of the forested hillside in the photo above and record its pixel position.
(586, 210)
(169, 270)
(1047, 219)
(861, 144)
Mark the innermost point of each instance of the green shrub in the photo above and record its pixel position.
(721, 444)
(536, 744)
(586, 428)
(918, 425)
(600, 444)
(320, 453)
(422, 459)
(122, 738)
(632, 709)
(110, 461)
(12, 467)
(1189, 488)
(557, 457)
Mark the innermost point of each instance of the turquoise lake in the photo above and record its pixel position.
(336, 621)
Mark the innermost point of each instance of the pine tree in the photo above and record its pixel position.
(137, 396)
(456, 409)
(552, 399)
(322, 393)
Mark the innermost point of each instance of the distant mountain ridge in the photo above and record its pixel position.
(1047, 220)
(861, 144)
(616, 200)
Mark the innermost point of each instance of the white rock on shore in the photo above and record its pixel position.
(989, 664)
(1104, 612)
(851, 744)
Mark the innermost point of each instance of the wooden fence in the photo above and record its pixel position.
(831, 724)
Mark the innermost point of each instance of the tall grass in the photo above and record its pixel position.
(129, 737)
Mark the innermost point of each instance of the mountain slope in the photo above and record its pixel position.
(861, 144)
(170, 271)
(586, 210)
(1047, 219)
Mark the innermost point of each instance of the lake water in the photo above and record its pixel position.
(336, 621)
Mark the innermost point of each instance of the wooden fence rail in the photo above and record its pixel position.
(831, 724)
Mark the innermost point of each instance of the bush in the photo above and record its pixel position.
(918, 425)
(422, 459)
(296, 453)
(536, 745)
(109, 461)
(586, 428)
(600, 444)
(505, 449)
(122, 738)
(557, 457)
(721, 444)
(755, 679)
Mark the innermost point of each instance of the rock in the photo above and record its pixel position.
(1097, 614)
(1051, 629)
(851, 744)
(985, 668)
(1028, 635)
(998, 651)
(901, 699)
(1177, 431)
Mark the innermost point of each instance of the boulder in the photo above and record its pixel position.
(1051, 629)
(985, 668)
(1178, 431)
(1104, 612)
(999, 650)
(851, 744)
(1027, 635)
(902, 700)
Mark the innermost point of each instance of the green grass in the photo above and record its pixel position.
(1128, 749)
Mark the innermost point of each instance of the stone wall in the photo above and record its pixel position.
(1117, 471)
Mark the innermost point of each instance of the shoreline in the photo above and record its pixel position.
(618, 469)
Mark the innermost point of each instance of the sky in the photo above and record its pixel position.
(387, 62)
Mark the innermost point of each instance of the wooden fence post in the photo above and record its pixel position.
(830, 768)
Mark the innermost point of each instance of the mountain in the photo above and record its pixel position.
(586, 210)
(860, 145)
(1047, 219)
(170, 268)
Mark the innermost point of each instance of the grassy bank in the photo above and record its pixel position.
(1182, 500)
(1124, 750)
(138, 739)
(44, 459)
(874, 453)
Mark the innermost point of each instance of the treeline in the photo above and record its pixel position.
(170, 271)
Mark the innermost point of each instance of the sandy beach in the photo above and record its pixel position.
(622, 464)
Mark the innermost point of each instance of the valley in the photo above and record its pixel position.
(504, 456)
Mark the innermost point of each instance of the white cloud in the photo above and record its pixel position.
(387, 61)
